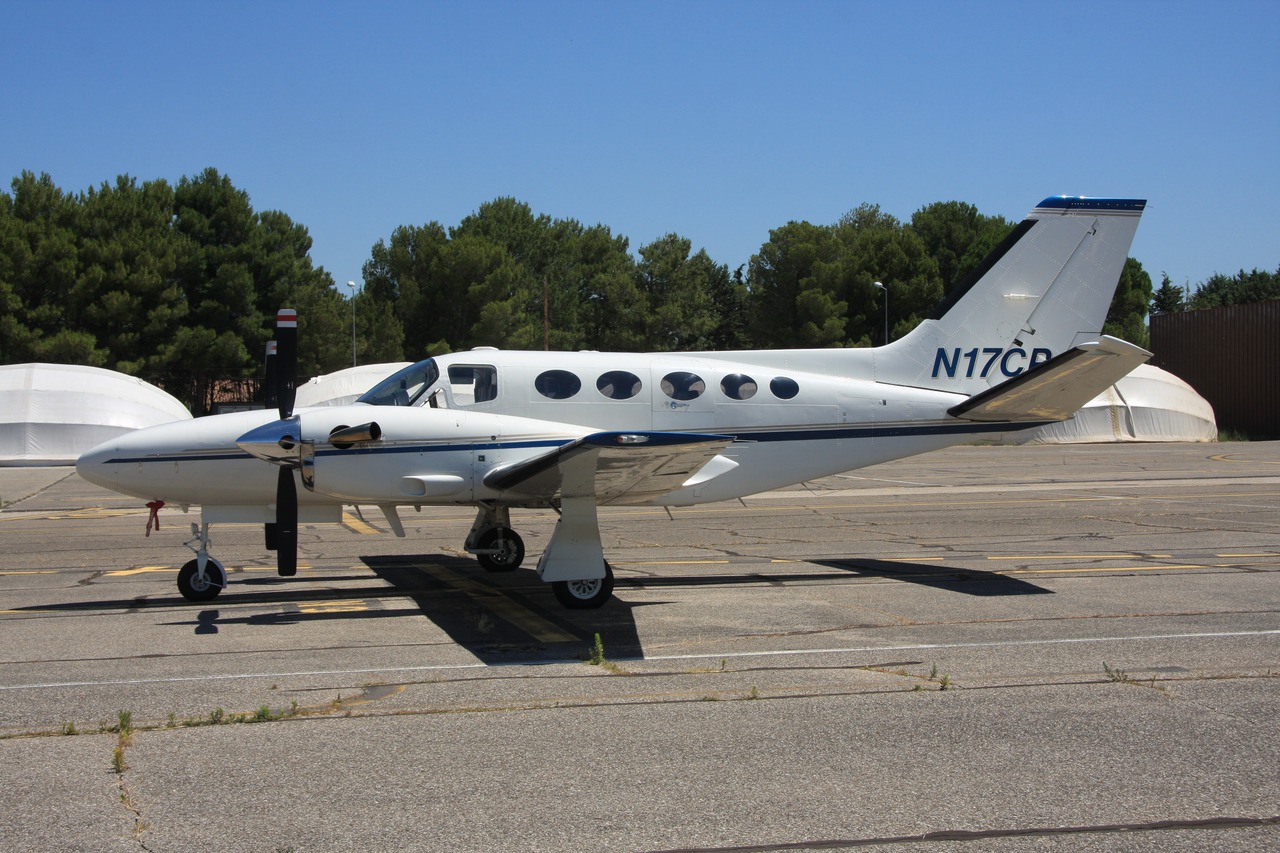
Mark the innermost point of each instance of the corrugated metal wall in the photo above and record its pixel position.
(1231, 356)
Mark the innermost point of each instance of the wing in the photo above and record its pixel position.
(615, 467)
(1057, 389)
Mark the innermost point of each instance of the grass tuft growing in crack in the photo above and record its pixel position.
(1115, 674)
(124, 738)
(596, 657)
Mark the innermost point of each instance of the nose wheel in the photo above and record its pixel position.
(201, 586)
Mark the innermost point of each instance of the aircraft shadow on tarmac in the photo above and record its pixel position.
(506, 617)
(964, 581)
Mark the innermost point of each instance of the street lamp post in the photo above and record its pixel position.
(352, 285)
(886, 310)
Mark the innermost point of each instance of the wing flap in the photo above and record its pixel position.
(1057, 389)
(613, 467)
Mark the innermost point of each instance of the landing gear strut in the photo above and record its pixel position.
(204, 577)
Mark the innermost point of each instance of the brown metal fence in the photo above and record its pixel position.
(1231, 356)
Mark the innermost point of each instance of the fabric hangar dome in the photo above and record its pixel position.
(51, 413)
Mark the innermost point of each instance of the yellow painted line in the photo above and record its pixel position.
(339, 606)
(1226, 457)
(33, 572)
(1079, 556)
(140, 570)
(776, 560)
(674, 562)
(355, 523)
(1246, 555)
(1096, 569)
(810, 507)
(876, 559)
(92, 512)
(523, 618)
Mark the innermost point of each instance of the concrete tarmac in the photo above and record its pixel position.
(983, 648)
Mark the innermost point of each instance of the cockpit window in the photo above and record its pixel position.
(473, 383)
(404, 387)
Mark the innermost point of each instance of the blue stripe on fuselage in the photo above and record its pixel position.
(755, 434)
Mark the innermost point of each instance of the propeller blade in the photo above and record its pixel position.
(286, 378)
(269, 380)
(286, 527)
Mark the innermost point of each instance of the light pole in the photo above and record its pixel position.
(352, 285)
(886, 310)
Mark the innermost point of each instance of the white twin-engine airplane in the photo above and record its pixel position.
(1016, 346)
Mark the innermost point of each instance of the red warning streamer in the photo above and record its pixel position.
(153, 521)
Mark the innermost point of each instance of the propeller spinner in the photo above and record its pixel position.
(281, 442)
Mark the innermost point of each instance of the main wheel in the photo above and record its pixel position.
(194, 588)
(585, 594)
(510, 549)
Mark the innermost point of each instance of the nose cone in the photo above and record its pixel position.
(95, 465)
(186, 462)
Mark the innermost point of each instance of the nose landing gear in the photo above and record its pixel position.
(204, 577)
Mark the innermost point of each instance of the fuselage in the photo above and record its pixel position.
(448, 421)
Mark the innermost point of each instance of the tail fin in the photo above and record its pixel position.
(1044, 290)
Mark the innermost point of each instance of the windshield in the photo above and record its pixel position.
(404, 387)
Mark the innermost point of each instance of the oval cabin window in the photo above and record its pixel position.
(784, 388)
(557, 384)
(738, 386)
(683, 386)
(618, 385)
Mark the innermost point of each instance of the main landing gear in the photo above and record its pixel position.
(585, 594)
(495, 545)
(500, 549)
(573, 562)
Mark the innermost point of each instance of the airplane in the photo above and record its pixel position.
(1017, 345)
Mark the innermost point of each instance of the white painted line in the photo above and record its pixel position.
(242, 676)
(936, 646)
(776, 653)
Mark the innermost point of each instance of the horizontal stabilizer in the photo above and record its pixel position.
(1057, 389)
(612, 467)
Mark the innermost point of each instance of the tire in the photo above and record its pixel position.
(215, 578)
(510, 555)
(585, 594)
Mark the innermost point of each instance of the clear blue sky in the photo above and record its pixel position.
(714, 120)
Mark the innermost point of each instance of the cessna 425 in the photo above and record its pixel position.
(1016, 346)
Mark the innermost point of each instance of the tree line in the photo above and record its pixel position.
(179, 284)
(1218, 291)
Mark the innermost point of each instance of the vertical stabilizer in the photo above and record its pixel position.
(1046, 288)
